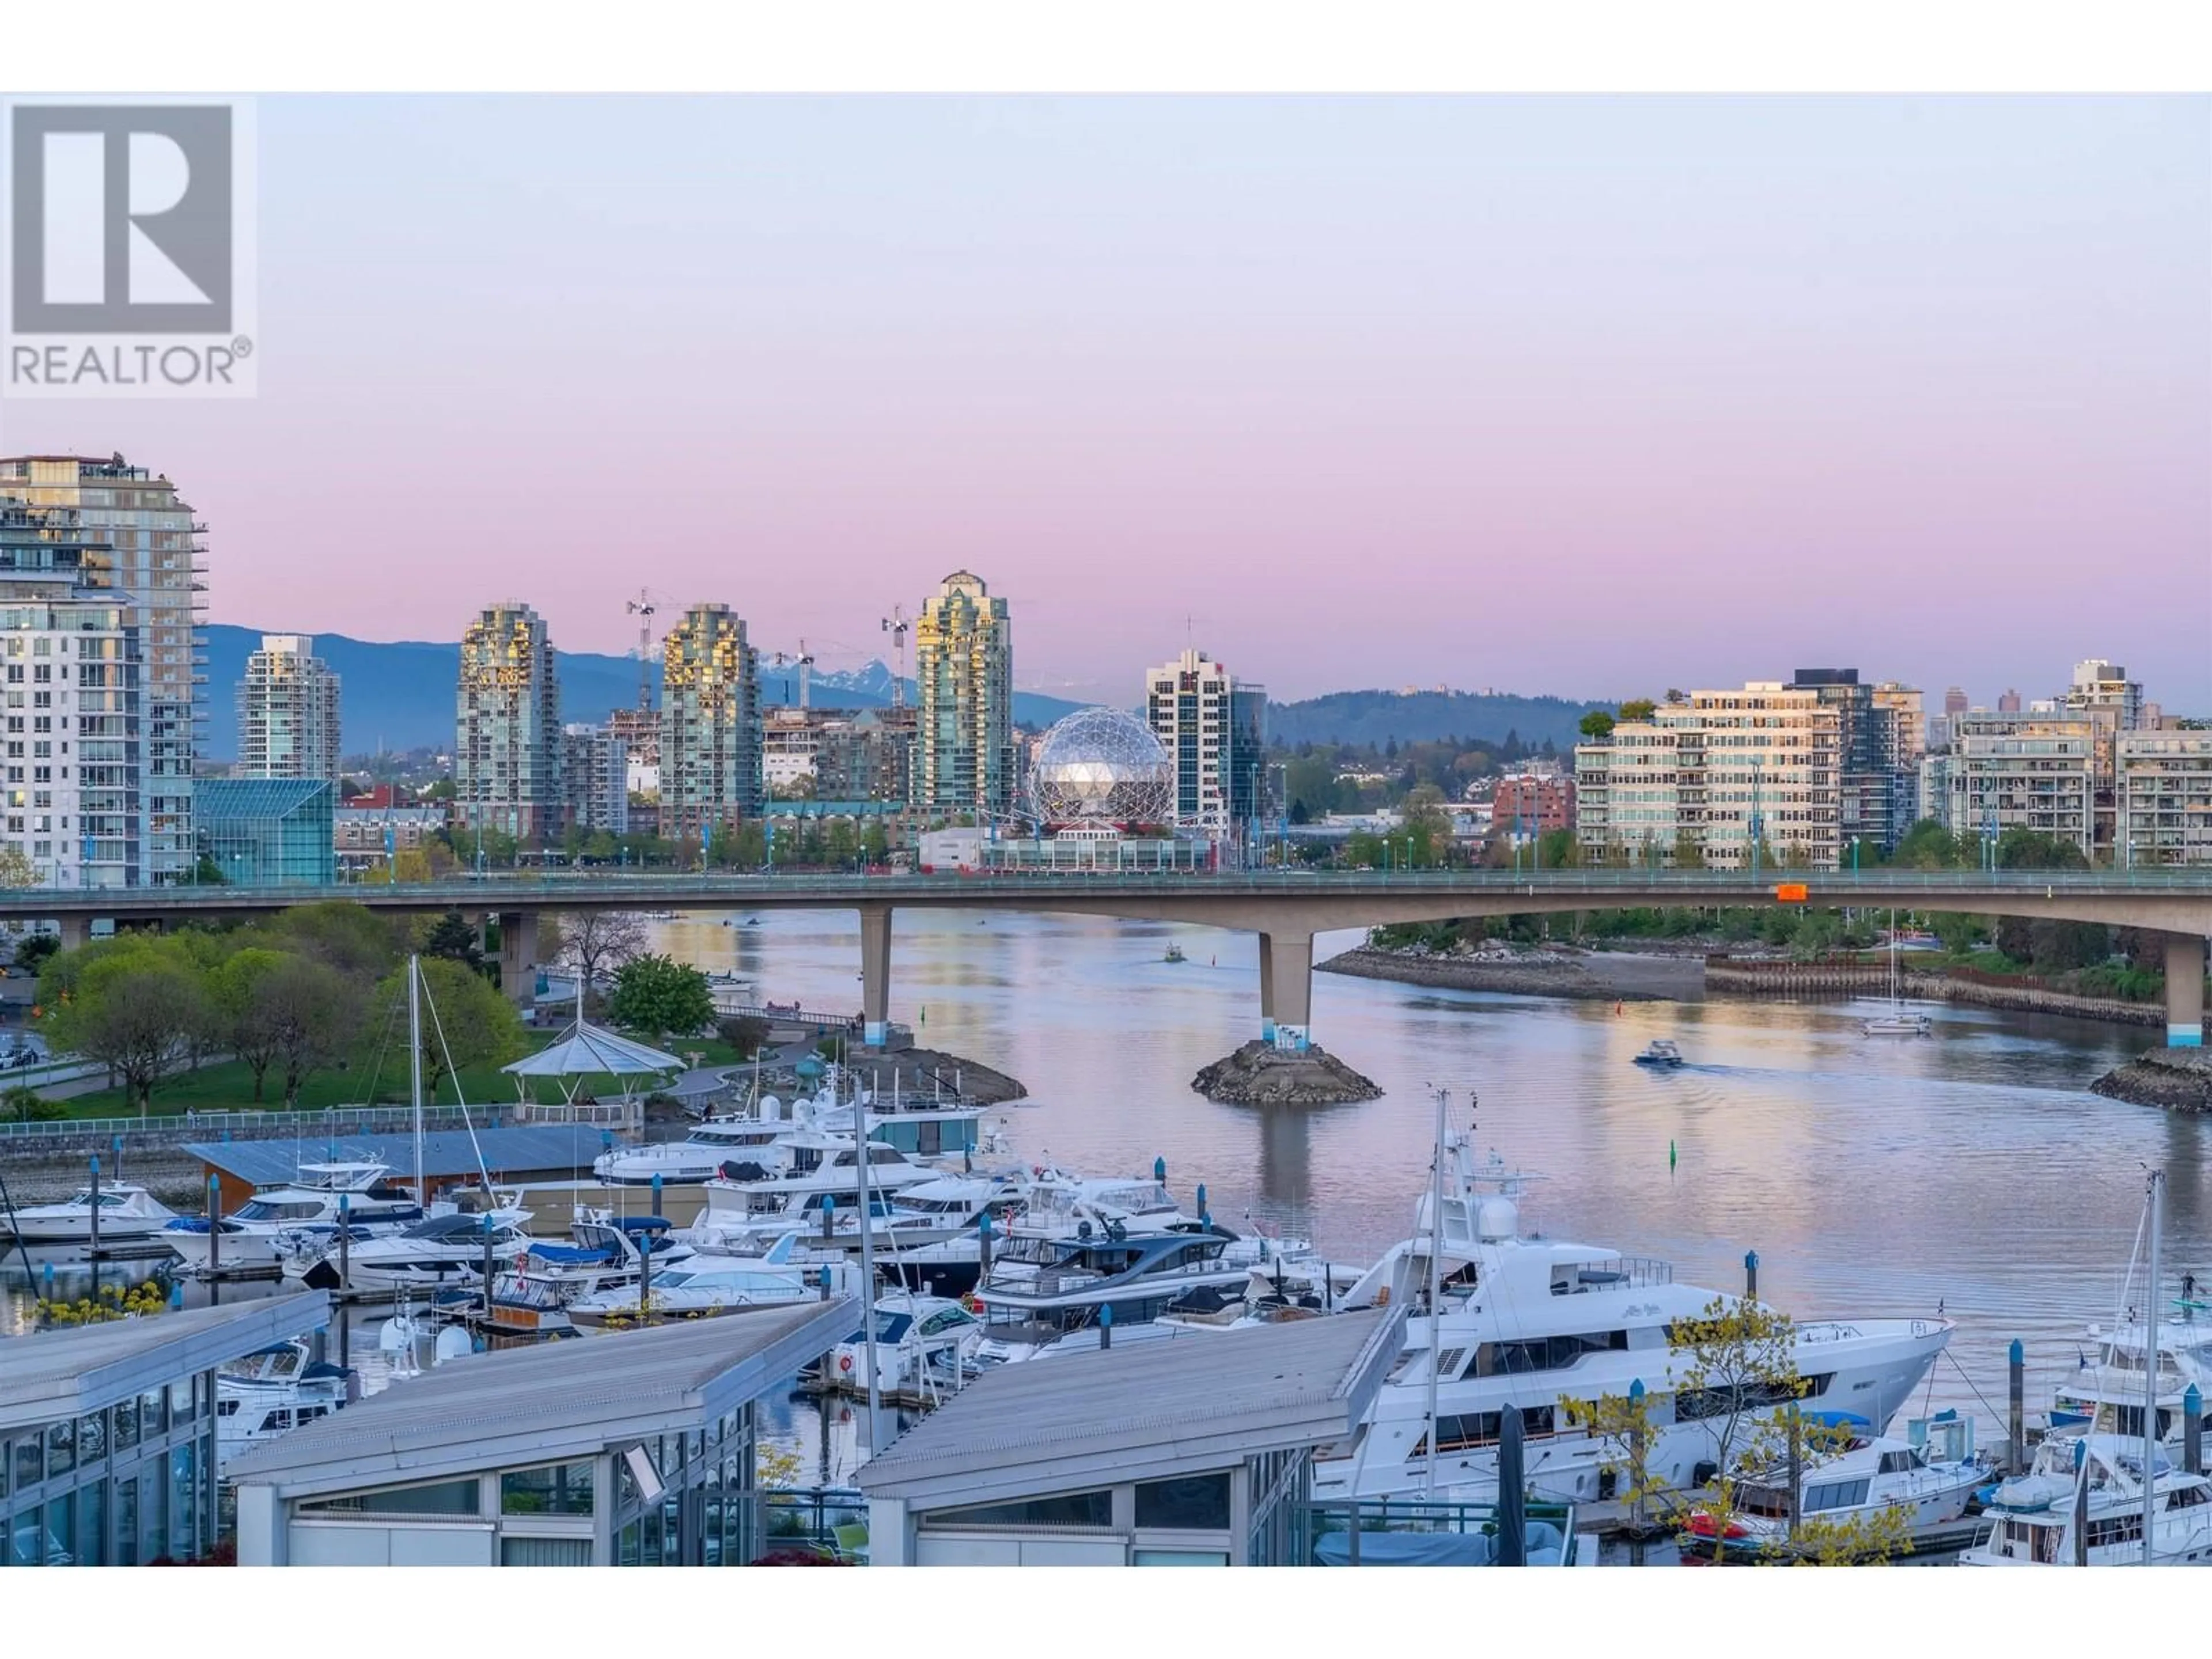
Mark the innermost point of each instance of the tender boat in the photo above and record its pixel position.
(125, 1212)
(1174, 954)
(1660, 1052)
(277, 1220)
(2032, 1517)
(1529, 1323)
(1931, 1474)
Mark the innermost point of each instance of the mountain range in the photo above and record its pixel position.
(397, 696)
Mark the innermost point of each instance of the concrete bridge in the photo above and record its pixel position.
(1285, 907)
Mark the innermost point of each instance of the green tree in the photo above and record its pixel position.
(231, 990)
(455, 939)
(17, 870)
(657, 996)
(1928, 846)
(34, 948)
(1622, 1426)
(1638, 708)
(208, 873)
(19, 1104)
(1557, 849)
(313, 1014)
(355, 940)
(744, 1033)
(1596, 726)
(465, 1020)
(1957, 932)
(1735, 1362)
(2031, 849)
(134, 1009)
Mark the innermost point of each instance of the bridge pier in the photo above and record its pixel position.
(518, 956)
(1286, 988)
(76, 930)
(875, 974)
(2184, 991)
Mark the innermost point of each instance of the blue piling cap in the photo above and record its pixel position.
(50, 1275)
(1750, 1258)
(1636, 1389)
(1201, 1194)
(1159, 1169)
(607, 1138)
(95, 1164)
(2017, 1353)
(983, 1224)
(2192, 1402)
(656, 1181)
(829, 1202)
(1106, 1316)
(345, 1203)
(214, 1179)
(116, 1141)
(176, 1296)
(2080, 1451)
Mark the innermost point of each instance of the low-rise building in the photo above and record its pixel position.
(634, 1449)
(1188, 1452)
(1533, 800)
(365, 837)
(108, 1431)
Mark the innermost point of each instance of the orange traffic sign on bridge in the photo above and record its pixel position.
(1789, 892)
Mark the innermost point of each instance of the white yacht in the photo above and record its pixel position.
(2033, 1518)
(707, 1286)
(264, 1394)
(925, 1345)
(2106, 1394)
(699, 1157)
(276, 1221)
(1527, 1324)
(437, 1253)
(812, 1165)
(533, 1295)
(1931, 1474)
(126, 1212)
(1898, 1022)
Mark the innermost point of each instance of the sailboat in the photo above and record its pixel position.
(1897, 1021)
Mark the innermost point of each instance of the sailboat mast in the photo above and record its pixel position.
(1435, 1290)
(867, 1267)
(2150, 1368)
(415, 1063)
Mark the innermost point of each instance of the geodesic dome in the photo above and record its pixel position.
(1102, 766)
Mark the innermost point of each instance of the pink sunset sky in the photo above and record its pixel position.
(1577, 395)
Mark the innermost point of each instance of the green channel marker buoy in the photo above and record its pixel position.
(1670, 1155)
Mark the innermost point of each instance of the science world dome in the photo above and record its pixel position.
(1102, 766)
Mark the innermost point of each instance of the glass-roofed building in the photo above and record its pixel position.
(267, 832)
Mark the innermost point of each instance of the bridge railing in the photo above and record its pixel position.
(548, 889)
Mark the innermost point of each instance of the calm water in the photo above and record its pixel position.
(1971, 1171)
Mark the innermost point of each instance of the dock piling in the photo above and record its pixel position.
(2192, 1431)
(345, 1281)
(1105, 1327)
(982, 1247)
(215, 1223)
(1751, 1275)
(2016, 1438)
(2081, 1504)
(95, 1218)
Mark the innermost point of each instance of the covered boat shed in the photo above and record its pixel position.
(1190, 1453)
(635, 1449)
(533, 1155)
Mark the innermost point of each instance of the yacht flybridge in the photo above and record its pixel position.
(2096, 1479)
(1527, 1325)
(275, 1222)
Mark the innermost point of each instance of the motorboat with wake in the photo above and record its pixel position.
(1661, 1054)
(277, 1220)
(1529, 1324)
(126, 1213)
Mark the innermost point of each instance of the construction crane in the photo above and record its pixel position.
(896, 625)
(805, 661)
(642, 608)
